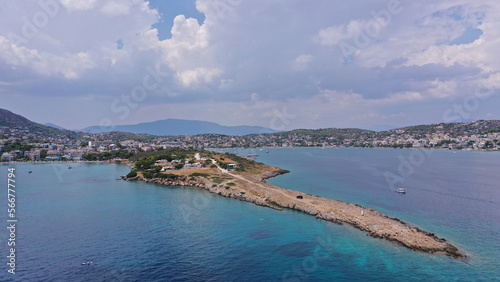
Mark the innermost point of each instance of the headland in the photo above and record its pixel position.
(235, 177)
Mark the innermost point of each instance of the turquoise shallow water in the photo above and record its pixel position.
(142, 232)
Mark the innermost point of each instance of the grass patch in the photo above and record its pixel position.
(230, 184)
(217, 180)
(199, 174)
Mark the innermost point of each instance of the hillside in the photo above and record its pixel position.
(18, 126)
(453, 129)
(482, 134)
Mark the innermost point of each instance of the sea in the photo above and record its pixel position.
(133, 231)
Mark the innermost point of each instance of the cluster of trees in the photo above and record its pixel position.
(10, 146)
(107, 156)
(146, 163)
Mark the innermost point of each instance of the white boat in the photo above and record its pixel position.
(401, 190)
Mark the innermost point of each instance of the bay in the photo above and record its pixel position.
(135, 231)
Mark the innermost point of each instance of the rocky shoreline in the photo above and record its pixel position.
(254, 189)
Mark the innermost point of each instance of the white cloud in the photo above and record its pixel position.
(464, 54)
(70, 66)
(443, 89)
(302, 62)
(197, 76)
(286, 51)
(116, 8)
(79, 5)
(334, 35)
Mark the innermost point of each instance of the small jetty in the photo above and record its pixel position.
(251, 156)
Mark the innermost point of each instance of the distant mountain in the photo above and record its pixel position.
(171, 127)
(54, 126)
(16, 125)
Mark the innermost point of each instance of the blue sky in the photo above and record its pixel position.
(282, 64)
(168, 10)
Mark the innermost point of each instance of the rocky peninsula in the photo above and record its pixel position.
(249, 185)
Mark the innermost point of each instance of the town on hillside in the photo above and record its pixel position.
(18, 144)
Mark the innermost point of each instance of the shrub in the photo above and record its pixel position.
(168, 175)
(199, 174)
(230, 184)
(132, 174)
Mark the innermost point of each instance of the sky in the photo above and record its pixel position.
(282, 64)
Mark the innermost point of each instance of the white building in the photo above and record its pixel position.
(7, 157)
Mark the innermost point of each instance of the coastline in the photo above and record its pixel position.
(59, 162)
(352, 147)
(253, 188)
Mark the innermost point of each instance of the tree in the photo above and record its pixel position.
(179, 166)
(43, 154)
(105, 156)
(90, 157)
(132, 174)
(488, 144)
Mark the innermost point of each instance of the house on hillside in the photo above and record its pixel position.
(195, 165)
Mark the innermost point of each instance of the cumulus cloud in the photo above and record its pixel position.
(116, 8)
(197, 76)
(288, 52)
(70, 66)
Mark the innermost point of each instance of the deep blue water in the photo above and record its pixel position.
(143, 232)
